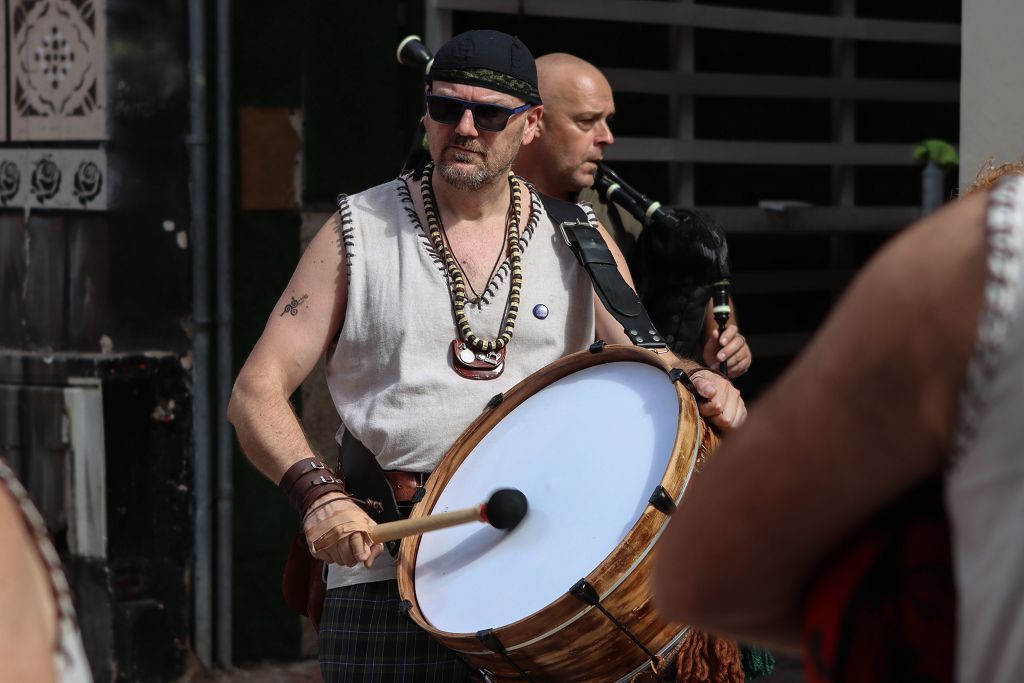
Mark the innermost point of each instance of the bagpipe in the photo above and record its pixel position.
(680, 260)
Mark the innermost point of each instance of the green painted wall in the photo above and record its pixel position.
(335, 62)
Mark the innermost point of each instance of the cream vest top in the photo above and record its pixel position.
(390, 375)
(985, 484)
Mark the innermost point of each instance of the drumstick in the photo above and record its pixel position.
(503, 510)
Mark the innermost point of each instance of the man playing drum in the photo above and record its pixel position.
(562, 162)
(429, 297)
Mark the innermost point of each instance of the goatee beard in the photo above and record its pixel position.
(457, 167)
(463, 178)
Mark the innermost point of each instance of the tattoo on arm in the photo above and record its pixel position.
(293, 306)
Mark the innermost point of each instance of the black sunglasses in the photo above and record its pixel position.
(490, 117)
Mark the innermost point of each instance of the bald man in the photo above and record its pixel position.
(562, 162)
(578, 108)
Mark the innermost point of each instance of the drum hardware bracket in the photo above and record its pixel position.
(495, 401)
(404, 606)
(585, 592)
(492, 643)
(661, 501)
(418, 494)
(681, 376)
(598, 346)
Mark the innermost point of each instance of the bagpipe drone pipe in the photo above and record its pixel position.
(412, 52)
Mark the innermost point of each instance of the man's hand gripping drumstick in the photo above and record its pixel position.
(337, 530)
(354, 537)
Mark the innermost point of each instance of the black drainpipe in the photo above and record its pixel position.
(199, 153)
(225, 371)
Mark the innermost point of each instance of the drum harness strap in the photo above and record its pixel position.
(618, 297)
(590, 250)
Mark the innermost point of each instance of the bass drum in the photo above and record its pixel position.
(602, 444)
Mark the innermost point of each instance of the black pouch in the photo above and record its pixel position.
(364, 478)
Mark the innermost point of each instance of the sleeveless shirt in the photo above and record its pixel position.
(985, 482)
(390, 374)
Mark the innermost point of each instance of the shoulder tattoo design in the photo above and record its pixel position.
(293, 306)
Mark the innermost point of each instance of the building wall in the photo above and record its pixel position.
(95, 299)
(991, 92)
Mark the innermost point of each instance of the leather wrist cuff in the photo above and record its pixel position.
(307, 480)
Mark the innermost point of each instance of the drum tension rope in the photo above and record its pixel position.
(491, 642)
(405, 606)
(585, 593)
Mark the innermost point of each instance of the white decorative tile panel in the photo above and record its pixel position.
(53, 179)
(58, 69)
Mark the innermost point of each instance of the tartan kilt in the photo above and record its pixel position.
(364, 636)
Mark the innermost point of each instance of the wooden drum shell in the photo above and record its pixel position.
(569, 640)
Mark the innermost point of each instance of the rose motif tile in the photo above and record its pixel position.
(53, 179)
(57, 69)
(44, 183)
(11, 186)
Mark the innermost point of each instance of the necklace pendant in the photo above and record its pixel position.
(473, 364)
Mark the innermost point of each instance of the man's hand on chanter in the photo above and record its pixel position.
(337, 530)
(732, 349)
(724, 408)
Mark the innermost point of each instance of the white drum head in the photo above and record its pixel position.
(588, 451)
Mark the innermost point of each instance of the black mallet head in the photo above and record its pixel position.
(505, 509)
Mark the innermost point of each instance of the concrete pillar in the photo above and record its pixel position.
(991, 85)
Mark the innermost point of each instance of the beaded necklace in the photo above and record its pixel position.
(472, 356)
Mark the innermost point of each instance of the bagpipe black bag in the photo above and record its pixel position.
(674, 268)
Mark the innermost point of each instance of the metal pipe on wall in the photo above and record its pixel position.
(225, 371)
(199, 153)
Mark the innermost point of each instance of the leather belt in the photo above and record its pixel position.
(405, 483)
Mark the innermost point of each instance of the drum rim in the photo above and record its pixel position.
(486, 421)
